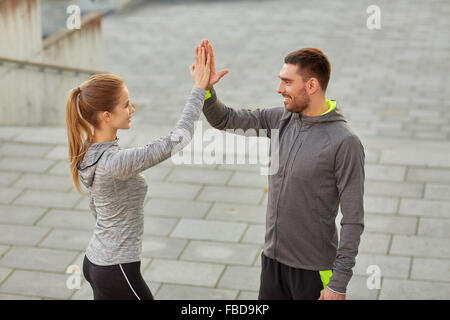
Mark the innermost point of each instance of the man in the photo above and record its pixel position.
(321, 165)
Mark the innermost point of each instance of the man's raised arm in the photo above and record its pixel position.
(221, 117)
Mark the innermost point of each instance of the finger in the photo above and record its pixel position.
(210, 50)
(199, 51)
(205, 45)
(203, 59)
(208, 62)
(222, 73)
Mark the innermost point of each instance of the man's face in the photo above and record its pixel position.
(293, 89)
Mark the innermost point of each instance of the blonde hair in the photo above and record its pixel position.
(101, 92)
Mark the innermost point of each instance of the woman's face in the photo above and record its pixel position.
(121, 114)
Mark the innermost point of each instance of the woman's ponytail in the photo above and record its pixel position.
(77, 127)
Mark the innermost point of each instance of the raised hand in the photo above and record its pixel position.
(214, 77)
(201, 69)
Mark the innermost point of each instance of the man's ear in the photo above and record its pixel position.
(312, 85)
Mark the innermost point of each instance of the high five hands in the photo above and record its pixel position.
(201, 69)
(213, 76)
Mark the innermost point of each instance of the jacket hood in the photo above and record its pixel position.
(331, 116)
(87, 166)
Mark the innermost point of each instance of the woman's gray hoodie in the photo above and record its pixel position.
(117, 190)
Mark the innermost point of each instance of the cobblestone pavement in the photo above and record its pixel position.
(204, 224)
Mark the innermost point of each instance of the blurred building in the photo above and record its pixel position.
(41, 59)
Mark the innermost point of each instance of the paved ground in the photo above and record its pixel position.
(204, 224)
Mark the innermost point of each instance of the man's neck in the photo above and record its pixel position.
(316, 107)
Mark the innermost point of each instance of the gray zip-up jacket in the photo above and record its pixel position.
(117, 190)
(321, 165)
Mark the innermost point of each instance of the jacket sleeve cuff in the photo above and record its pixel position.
(211, 97)
(339, 281)
(335, 291)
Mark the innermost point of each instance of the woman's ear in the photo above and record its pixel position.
(103, 116)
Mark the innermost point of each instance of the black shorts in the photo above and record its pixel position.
(116, 282)
(281, 282)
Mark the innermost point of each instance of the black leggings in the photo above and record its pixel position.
(116, 282)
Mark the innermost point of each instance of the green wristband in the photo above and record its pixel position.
(208, 95)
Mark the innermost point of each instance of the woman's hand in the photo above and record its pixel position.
(201, 69)
(214, 77)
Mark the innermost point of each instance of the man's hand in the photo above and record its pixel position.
(330, 295)
(214, 77)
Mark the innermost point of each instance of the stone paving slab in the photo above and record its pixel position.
(390, 224)
(394, 289)
(29, 235)
(382, 205)
(199, 176)
(240, 277)
(221, 252)
(169, 190)
(71, 219)
(254, 234)
(4, 272)
(176, 208)
(25, 165)
(430, 269)
(41, 198)
(37, 284)
(184, 272)
(20, 214)
(44, 182)
(425, 208)
(162, 247)
(237, 212)
(420, 246)
(209, 230)
(7, 195)
(232, 194)
(428, 175)
(67, 239)
(43, 259)
(6, 178)
(390, 265)
(24, 150)
(434, 228)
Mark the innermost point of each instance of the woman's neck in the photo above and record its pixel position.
(102, 136)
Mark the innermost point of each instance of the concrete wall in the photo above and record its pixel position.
(81, 48)
(54, 15)
(32, 93)
(20, 29)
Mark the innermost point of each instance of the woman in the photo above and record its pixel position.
(112, 175)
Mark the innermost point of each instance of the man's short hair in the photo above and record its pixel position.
(311, 62)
